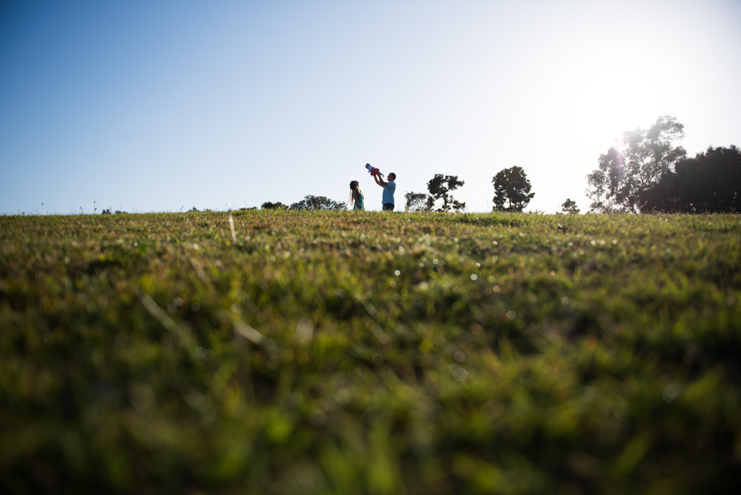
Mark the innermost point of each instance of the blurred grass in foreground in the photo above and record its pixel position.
(370, 353)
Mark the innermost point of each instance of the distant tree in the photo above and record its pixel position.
(311, 202)
(710, 182)
(638, 162)
(511, 187)
(416, 201)
(441, 188)
(569, 206)
(273, 206)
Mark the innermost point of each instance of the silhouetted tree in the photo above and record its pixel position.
(710, 182)
(416, 201)
(635, 164)
(273, 206)
(440, 188)
(569, 206)
(511, 186)
(318, 203)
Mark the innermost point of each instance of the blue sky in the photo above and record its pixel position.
(163, 105)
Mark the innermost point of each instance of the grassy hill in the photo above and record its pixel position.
(370, 353)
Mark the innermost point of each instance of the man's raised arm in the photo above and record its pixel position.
(379, 181)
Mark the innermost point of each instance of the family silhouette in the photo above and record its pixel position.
(357, 199)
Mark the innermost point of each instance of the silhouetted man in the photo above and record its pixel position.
(388, 191)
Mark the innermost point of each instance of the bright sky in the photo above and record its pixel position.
(153, 106)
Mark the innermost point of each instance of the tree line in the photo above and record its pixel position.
(647, 171)
(511, 192)
(310, 202)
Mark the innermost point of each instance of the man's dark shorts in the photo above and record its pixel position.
(388, 207)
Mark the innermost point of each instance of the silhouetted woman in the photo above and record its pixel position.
(356, 196)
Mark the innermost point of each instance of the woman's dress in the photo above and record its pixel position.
(359, 204)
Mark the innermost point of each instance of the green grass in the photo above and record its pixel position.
(370, 353)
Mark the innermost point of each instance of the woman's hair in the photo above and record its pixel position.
(353, 184)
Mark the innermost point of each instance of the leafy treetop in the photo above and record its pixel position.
(569, 206)
(311, 202)
(440, 188)
(708, 183)
(511, 187)
(416, 201)
(638, 162)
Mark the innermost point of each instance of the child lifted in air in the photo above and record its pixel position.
(373, 170)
